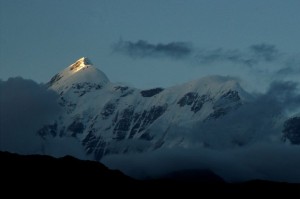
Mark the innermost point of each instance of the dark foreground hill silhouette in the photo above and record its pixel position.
(34, 173)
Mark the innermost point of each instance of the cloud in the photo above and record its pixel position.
(291, 67)
(286, 94)
(62, 146)
(254, 55)
(143, 49)
(265, 52)
(287, 71)
(261, 161)
(250, 56)
(245, 144)
(25, 107)
(221, 55)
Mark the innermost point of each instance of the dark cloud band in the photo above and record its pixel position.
(142, 48)
(251, 56)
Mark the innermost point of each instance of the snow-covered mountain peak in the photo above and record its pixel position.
(80, 64)
(80, 72)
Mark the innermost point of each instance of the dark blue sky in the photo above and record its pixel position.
(38, 38)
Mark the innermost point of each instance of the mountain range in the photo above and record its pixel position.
(109, 118)
(113, 118)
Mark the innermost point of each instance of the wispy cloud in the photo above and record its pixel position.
(253, 55)
(275, 162)
(288, 71)
(291, 67)
(265, 52)
(142, 49)
(259, 58)
(221, 55)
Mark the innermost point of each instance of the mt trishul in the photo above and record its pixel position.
(109, 118)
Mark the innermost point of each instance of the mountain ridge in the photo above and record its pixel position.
(109, 118)
(126, 113)
(29, 173)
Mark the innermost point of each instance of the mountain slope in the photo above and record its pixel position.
(111, 118)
